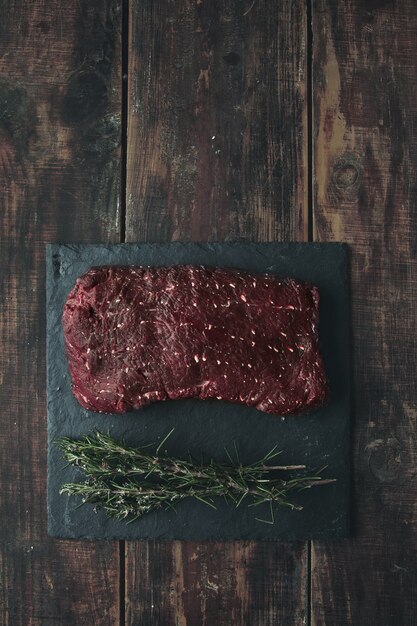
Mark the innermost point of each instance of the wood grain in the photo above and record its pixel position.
(59, 181)
(217, 114)
(193, 584)
(216, 151)
(365, 120)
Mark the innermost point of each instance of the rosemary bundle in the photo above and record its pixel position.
(129, 482)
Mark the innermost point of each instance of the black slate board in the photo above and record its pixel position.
(206, 428)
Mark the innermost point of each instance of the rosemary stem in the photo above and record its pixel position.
(269, 468)
(130, 482)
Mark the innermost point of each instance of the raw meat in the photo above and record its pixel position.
(136, 335)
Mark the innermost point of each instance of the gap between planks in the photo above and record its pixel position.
(123, 192)
(310, 234)
(124, 117)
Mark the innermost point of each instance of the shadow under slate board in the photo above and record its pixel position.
(207, 428)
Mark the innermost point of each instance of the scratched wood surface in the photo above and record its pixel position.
(217, 110)
(365, 154)
(59, 181)
(216, 151)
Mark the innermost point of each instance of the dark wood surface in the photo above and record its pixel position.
(217, 120)
(221, 113)
(59, 181)
(365, 154)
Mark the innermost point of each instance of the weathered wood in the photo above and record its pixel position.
(217, 114)
(365, 118)
(192, 584)
(216, 151)
(59, 180)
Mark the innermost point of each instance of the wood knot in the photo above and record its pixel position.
(346, 176)
(18, 121)
(232, 58)
(43, 26)
(384, 459)
(86, 97)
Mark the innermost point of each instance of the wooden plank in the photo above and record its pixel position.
(59, 179)
(365, 113)
(237, 583)
(216, 151)
(217, 114)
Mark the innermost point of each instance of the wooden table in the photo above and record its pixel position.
(159, 120)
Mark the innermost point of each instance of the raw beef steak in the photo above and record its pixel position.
(135, 335)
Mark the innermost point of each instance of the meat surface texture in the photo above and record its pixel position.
(136, 335)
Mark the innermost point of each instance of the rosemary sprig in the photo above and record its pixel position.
(129, 482)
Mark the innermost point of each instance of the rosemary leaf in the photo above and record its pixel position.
(128, 482)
